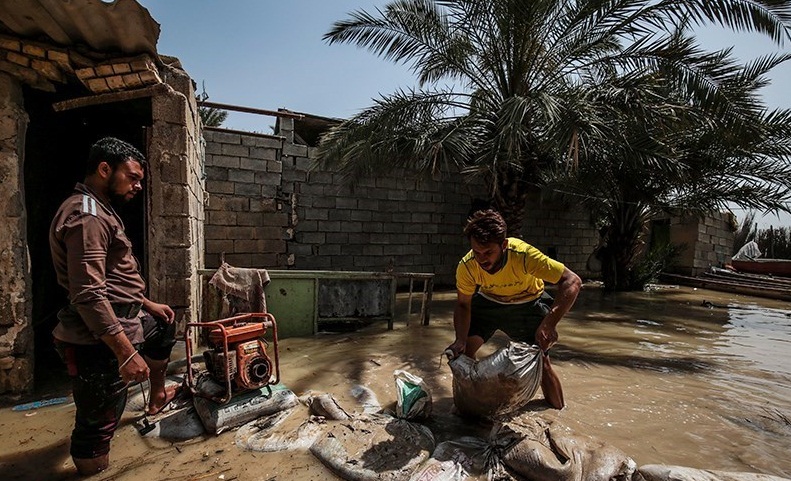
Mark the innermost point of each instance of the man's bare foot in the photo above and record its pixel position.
(160, 400)
(89, 466)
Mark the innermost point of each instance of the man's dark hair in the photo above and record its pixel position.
(486, 226)
(113, 151)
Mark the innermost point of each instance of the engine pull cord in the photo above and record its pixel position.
(147, 426)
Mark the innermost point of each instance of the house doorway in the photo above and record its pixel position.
(56, 150)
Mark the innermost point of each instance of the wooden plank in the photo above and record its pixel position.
(108, 98)
(726, 286)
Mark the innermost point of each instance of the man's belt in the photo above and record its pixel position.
(127, 311)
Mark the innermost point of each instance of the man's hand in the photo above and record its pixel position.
(162, 311)
(457, 348)
(135, 369)
(546, 336)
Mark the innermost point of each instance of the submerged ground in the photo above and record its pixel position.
(663, 375)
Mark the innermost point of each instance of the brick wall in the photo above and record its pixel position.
(176, 210)
(45, 67)
(564, 232)
(708, 241)
(268, 209)
(16, 331)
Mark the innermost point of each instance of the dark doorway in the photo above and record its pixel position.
(56, 148)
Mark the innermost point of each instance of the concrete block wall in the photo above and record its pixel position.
(16, 331)
(247, 216)
(177, 183)
(708, 240)
(268, 209)
(564, 232)
(398, 221)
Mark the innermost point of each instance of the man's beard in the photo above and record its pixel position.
(116, 199)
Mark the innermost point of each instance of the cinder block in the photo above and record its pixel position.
(223, 161)
(295, 150)
(235, 150)
(253, 190)
(216, 217)
(238, 175)
(225, 137)
(329, 226)
(219, 246)
(170, 107)
(312, 237)
(274, 166)
(346, 203)
(269, 178)
(248, 245)
(291, 175)
(263, 153)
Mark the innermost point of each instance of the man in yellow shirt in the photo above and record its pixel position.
(500, 285)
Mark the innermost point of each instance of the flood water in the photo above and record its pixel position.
(676, 376)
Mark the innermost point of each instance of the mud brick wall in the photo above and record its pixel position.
(268, 209)
(708, 241)
(16, 332)
(45, 66)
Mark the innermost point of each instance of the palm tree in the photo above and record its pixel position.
(664, 147)
(211, 116)
(500, 83)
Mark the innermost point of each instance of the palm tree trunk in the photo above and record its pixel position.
(510, 197)
(621, 246)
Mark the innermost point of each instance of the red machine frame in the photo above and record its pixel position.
(224, 325)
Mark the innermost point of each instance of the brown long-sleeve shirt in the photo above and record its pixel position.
(93, 260)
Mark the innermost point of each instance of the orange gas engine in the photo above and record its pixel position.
(237, 355)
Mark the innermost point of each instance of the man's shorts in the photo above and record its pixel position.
(99, 393)
(519, 321)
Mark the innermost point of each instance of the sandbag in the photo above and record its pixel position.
(366, 399)
(326, 406)
(454, 460)
(242, 407)
(286, 430)
(541, 451)
(413, 397)
(177, 425)
(661, 472)
(500, 383)
(374, 447)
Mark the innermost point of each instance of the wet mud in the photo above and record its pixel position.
(674, 376)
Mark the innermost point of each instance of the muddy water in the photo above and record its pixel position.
(660, 375)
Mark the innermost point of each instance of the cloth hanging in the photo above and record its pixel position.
(242, 288)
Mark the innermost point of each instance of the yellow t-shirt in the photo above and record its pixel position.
(520, 280)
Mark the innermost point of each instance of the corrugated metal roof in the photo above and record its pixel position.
(120, 25)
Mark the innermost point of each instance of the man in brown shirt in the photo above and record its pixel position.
(108, 335)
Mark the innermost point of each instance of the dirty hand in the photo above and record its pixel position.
(457, 348)
(133, 368)
(546, 337)
(162, 311)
